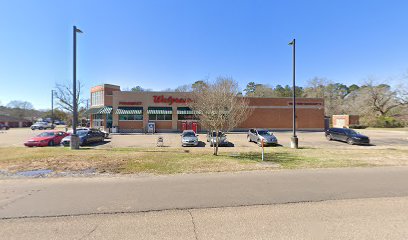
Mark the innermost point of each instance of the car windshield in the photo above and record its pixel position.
(264, 132)
(82, 133)
(350, 131)
(46, 134)
(220, 134)
(189, 134)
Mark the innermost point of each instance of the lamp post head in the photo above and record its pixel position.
(292, 42)
(77, 30)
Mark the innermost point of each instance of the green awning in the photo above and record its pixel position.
(186, 111)
(133, 111)
(105, 110)
(159, 111)
(92, 111)
(98, 110)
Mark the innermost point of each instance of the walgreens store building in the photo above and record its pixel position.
(127, 112)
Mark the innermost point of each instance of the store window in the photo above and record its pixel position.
(130, 117)
(185, 113)
(130, 113)
(163, 117)
(187, 117)
(97, 98)
(97, 120)
(160, 113)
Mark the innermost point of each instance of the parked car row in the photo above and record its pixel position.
(267, 138)
(190, 138)
(56, 137)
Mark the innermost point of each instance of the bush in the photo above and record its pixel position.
(357, 126)
(387, 122)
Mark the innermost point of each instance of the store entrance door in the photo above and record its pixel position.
(189, 125)
(194, 126)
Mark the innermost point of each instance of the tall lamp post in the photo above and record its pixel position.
(294, 141)
(52, 107)
(74, 136)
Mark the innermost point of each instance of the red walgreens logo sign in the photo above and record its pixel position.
(170, 100)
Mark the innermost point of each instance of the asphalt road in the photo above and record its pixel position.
(76, 196)
(380, 218)
(356, 203)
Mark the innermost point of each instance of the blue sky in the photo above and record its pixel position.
(164, 44)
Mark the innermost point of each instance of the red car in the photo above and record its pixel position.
(48, 138)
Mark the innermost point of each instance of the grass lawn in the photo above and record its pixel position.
(405, 129)
(174, 160)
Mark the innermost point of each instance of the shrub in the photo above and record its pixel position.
(357, 126)
(387, 122)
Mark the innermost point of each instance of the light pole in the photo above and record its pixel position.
(74, 137)
(52, 107)
(294, 141)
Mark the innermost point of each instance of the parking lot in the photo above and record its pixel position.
(380, 139)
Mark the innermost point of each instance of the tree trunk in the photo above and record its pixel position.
(211, 138)
(216, 143)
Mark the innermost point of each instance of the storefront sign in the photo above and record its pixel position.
(170, 100)
(131, 103)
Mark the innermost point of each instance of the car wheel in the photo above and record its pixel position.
(259, 143)
(350, 141)
(249, 139)
(329, 137)
(51, 143)
(40, 128)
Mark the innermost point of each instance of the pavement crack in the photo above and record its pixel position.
(89, 233)
(194, 225)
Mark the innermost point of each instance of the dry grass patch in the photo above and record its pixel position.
(177, 160)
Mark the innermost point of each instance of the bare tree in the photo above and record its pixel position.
(334, 94)
(380, 98)
(21, 109)
(219, 106)
(65, 96)
(183, 88)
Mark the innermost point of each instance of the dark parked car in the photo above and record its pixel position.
(4, 127)
(85, 137)
(346, 135)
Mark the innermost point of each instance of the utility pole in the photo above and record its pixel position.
(294, 141)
